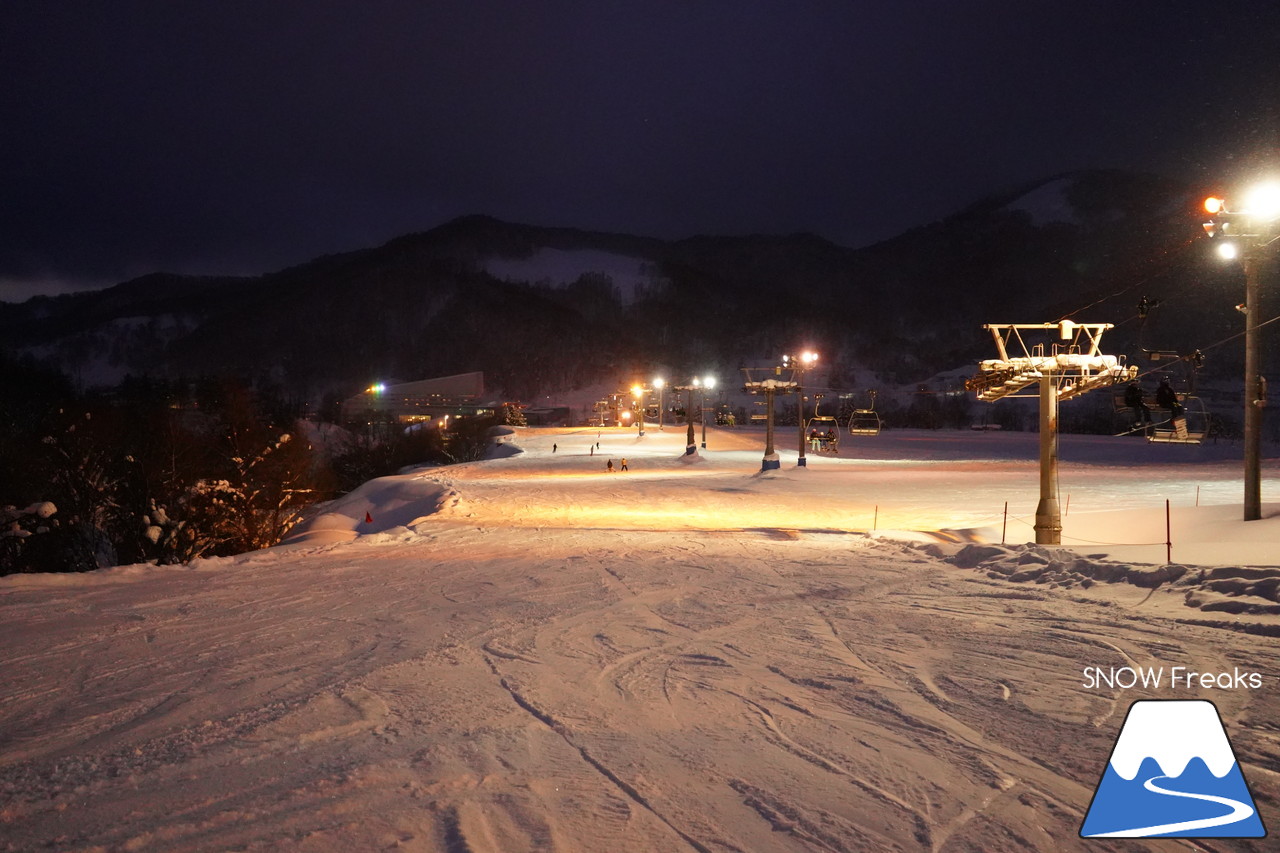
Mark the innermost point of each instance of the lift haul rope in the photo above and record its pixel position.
(1177, 252)
(1213, 345)
(1142, 313)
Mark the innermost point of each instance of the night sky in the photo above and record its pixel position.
(240, 137)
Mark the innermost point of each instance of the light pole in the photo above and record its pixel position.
(1255, 227)
(798, 365)
(707, 383)
(691, 446)
(637, 403)
(659, 384)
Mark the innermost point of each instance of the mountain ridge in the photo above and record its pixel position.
(429, 303)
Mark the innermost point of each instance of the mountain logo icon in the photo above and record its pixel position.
(1172, 774)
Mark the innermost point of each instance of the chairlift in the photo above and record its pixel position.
(1189, 423)
(865, 421)
(1186, 423)
(823, 434)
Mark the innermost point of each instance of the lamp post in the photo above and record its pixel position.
(659, 384)
(637, 404)
(700, 384)
(1255, 227)
(798, 365)
(707, 383)
(691, 446)
(697, 386)
(1254, 391)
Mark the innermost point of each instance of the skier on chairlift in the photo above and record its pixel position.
(1141, 412)
(1167, 398)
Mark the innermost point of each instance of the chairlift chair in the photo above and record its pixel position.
(865, 421)
(823, 434)
(1191, 424)
(1188, 427)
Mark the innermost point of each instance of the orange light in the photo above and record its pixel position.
(1213, 204)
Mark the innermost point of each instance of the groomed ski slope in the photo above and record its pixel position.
(530, 654)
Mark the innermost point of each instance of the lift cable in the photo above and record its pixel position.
(1177, 252)
(1213, 345)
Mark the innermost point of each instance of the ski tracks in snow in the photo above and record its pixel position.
(580, 690)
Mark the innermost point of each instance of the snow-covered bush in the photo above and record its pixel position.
(17, 529)
(262, 497)
(146, 475)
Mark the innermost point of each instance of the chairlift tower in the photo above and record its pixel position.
(770, 381)
(1069, 368)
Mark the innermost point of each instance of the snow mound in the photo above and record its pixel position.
(503, 451)
(378, 507)
(1226, 589)
(1060, 567)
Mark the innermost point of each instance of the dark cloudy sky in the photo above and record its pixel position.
(238, 137)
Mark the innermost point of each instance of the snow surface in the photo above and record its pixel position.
(528, 653)
(561, 267)
(1048, 204)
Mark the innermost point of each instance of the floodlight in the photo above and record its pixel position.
(1263, 200)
